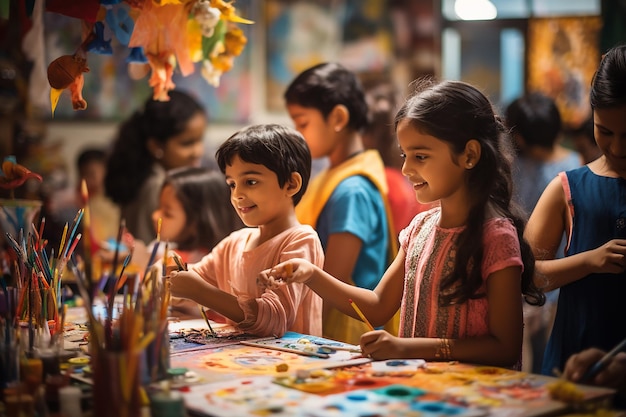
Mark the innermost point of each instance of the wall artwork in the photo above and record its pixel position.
(300, 34)
(562, 58)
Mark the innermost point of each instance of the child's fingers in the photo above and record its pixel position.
(268, 279)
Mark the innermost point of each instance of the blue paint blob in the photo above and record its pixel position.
(431, 407)
(356, 397)
(396, 363)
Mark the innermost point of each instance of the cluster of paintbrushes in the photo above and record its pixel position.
(33, 312)
(129, 344)
(37, 284)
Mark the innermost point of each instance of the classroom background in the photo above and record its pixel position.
(512, 47)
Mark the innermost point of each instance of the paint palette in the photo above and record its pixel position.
(396, 400)
(245, 397)
(233, 361)
(375, 375)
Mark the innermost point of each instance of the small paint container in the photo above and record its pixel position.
(167, 404)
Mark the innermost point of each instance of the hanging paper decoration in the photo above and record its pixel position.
(168, 35)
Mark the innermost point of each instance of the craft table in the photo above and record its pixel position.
(228, 376)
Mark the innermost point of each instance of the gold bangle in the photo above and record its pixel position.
(443, 350)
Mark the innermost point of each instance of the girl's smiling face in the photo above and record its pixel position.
(430, 165)
(172, 215)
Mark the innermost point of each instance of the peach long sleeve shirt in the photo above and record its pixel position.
(233, 269)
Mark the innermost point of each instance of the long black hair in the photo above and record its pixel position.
(456, 112)
(130, 162)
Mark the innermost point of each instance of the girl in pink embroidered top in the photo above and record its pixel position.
(462, 267)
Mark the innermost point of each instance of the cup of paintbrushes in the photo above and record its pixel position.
(116, 383)
(37, 310)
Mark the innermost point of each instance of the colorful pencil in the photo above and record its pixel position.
(360, 313)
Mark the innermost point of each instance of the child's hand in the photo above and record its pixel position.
(185, 284)
(293, 270)
(380, 345)
(613, 375)
(610, 257)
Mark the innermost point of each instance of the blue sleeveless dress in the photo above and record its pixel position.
(591, 312)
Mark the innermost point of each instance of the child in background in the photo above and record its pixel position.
(588, 206)
(379, 134)
(104, 214)
(163, 135)
(535, 124)
(196, 214)
(583, 141)
(267, 168)
(462, 267)
(346, 203)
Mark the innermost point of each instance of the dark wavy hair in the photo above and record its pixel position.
(205, 197)
(456, 112)
(130, 162)
(536, 118)
(608, 87)
(327, 85)
(281, 149)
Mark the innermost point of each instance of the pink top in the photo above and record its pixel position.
(232, 269)
(429, 256)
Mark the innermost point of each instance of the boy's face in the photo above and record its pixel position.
(317, 132)
(256, 195)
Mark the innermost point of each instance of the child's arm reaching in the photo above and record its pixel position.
(501, 347)
(547, 224)
(189, 284)
(378, 305)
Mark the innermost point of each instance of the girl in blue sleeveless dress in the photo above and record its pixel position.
(588, 205)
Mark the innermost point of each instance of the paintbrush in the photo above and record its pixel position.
(208, 322)
(286, 349)
(603, 362)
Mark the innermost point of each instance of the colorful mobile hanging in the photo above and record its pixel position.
(162, 34)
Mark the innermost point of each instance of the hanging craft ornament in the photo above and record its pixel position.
(151, 30)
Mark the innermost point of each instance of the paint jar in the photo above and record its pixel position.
(69, 398)
(31, 374)
(116, 383)
(167, 404)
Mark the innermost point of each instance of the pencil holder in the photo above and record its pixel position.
(116, 385)
(37, 313)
